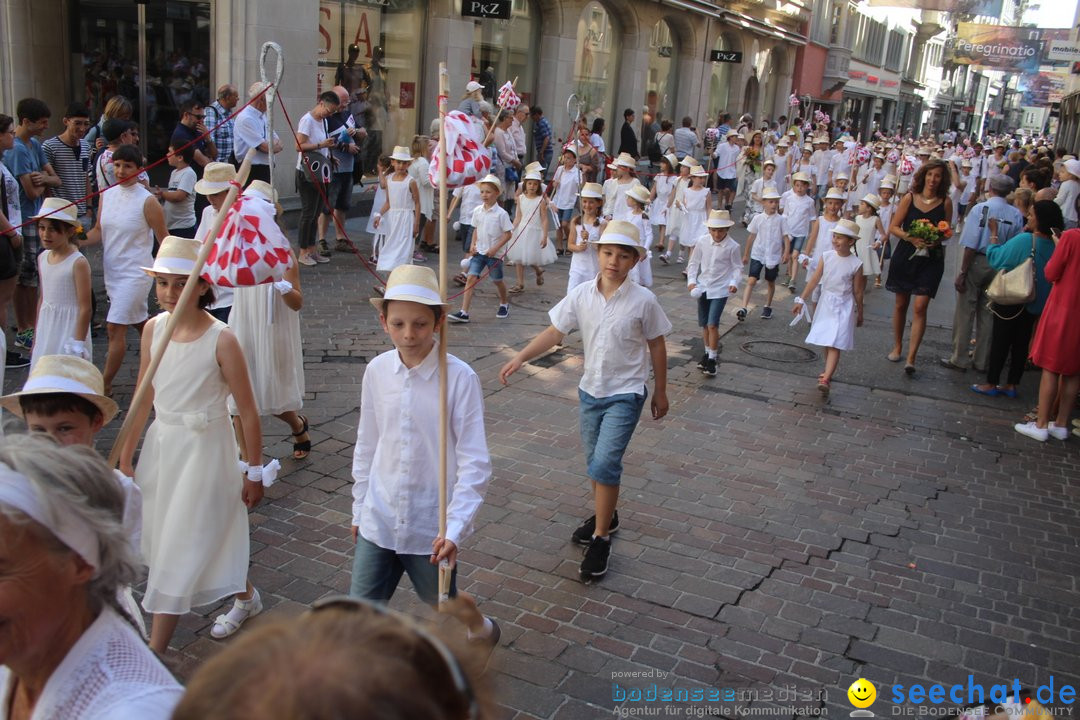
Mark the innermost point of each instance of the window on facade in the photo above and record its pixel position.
(596, 61)
(660, 83)
(372, 48)
(819, 22)
(837, 24)
(894, 55)
(720, 81)
(505, 49)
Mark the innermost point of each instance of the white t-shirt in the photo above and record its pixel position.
(181, 215)
(316, 133)
(798, 213)
(768, 245)
(569, 185)
(13, 211)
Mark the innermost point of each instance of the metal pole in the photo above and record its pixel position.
(143, 84)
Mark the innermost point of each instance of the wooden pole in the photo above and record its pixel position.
(444, 568)
(181, 304)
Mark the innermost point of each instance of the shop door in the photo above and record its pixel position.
(157, 55)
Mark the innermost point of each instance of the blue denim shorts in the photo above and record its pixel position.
(797, 243)
(565, 215)
(377, 571)
(709, 311)
(607, 424)
(479, 262)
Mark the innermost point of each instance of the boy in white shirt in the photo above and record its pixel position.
(491, 231)
(396, 459)
(622, 328)
(727, 176)
(799, 210)
(712, 276)
(565, 187)
(767, 246)
(767, 179)
(821, 159)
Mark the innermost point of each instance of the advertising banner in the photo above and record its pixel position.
(991, 8)
(997, 47)
(1042, 89)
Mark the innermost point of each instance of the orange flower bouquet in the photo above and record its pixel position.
(926, 236)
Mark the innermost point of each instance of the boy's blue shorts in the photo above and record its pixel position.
(479, 262)
(607, 424)
(377, 572)
(797, 243)
(709, 311)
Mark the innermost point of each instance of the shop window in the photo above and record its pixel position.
(506, 49)
(373, 49)
(720, 81)
(595, 61)
(661, 81)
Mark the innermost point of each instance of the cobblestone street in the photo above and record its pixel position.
(900, 531)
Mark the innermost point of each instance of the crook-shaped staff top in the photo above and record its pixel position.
(279, 69)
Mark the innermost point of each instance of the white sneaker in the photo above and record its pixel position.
(1032, 431)
(1056, 432)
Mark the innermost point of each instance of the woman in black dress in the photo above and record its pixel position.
(918, 276)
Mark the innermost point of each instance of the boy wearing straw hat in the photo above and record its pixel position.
(615, 188)
(767, 246)
(395, 522)
(799, 210)
(622, 327)
(491, 232)
(727, 175)
(712, 276)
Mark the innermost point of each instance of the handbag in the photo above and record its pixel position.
(1013, 287)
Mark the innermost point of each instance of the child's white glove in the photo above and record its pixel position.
(465, 262)
(803, 312)
(283, 286)
(76, 348)
(696, 292)
(457, 226)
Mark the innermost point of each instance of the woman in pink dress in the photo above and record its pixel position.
(1057, 343)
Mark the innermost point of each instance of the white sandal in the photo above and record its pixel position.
(226, 625)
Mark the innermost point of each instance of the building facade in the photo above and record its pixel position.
(673, 57)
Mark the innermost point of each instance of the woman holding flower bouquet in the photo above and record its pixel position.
(753, 155)
(922, 224)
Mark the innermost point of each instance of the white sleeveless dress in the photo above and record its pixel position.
(195, 526)
(59, 307)
(834, 317)
(695, 201)
(397, 225)
(128, 244)
(584, 265)
(863, 245)
(658, 210)
(268, 331)
(526, 238)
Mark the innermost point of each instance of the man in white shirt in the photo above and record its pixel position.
(727, 176)
(396, 459)
(821, 160)
(839, 162)
(251, 130)
(517, 131)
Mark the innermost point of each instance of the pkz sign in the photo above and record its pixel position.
(496, 9)
(725, 56)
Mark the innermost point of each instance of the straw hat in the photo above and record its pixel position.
(533, 167)
(216, 178)
(966, 163)
(639, 193)
(64, 374)
(889, 182)
(411, 283)
(625, 160)
(620, 232)
(176, 256)
(1073, 167)
(59, 209)
(793, 131)
(672, 160)
(262, 189)
(491, 180)
(719, 219)
(731, 134)
(847, 227)
(532, 176)
(841, 176)
(699, 171)
(471, 87)
(834, 194)
(783, 142)
(801, 177)
(770, 193)
(770, 161)
(570, 148)
(689, 162)
(808, 148)
(592, 190)
(401, 153)
(872, 200)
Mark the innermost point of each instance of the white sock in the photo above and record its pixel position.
(712, 353)
(485, 632)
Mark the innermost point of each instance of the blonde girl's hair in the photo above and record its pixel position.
(1022, 198)
(116, 106)
(419, 145)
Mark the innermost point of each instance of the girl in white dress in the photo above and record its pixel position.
(660, 198)
(636, 200)
(195, 500)
(675, 208)
(584, 230)
(398, 219)
(529, 242)
(870, 230)
(129, 218)
(615, 188)
(63, 316)
(695, 207)
(372, 228)
(840, 307)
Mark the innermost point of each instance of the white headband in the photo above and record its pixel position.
(17, 492)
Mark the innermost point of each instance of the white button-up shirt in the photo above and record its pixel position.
(715, 266)
(799, 212)
(250, 129)
(727, 155)
(615, 333)
(489, 224)
(396, 460)
(768, 231)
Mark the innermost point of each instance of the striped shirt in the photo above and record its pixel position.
(72, 165)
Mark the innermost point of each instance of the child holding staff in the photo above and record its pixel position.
(564, 190)
(584, 230)
(398, 218)
(187, 468)
(622, 327)
(636, 199)
(840, 307)
(712, 276)
(615, 188)
(63, 312)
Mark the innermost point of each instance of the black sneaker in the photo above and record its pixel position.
(16, 360)
(459, 317)
(741, 314)
(704, 362)
(595, 563)
(710, 369)
(583, 535)
(766, 313)
(503, 312)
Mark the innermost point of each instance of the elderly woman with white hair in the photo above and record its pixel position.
(66, 648)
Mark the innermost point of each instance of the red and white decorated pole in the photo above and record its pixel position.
(445, 571)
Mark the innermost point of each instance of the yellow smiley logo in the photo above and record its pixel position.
(862, 693)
